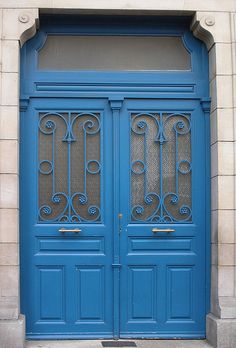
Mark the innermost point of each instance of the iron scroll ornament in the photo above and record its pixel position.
(161, 167)
(63, 137)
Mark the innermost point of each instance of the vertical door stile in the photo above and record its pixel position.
(116, 106)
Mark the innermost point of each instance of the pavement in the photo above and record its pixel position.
(139, 344)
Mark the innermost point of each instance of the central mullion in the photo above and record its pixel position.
(116, 106)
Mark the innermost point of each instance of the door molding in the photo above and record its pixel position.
(116, 105)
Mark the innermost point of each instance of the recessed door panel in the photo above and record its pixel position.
(91, 289)
(142, 293)
(52, 294)
(180, 293)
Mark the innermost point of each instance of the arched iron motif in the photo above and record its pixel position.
(69, 166)
(161, 167)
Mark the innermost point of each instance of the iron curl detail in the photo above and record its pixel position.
(163, 157)
(140, 124)
(182, 124)
(81, 210)
(140, 212)
(90, 126)
(48, 122)
(62, 137)
(57, 208)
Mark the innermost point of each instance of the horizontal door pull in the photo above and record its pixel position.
(75, 230)
(167, 230)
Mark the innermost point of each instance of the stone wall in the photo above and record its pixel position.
(214, 22)
(13, 27)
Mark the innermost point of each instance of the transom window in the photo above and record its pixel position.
(115, 53)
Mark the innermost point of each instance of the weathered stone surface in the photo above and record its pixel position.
(12, 333)
(9, 127)
(170, 5)
(222, 158)
(220, 59)
(9, 254)
(227, 307)
(221, 333)
(221, 92)
(9, 308)
(19, 24)
(9, 156)
(9, 191)
(10, 88)
(226, 231)
(226, 280)
(222, 192)
(9, 226)
(139, 344)
(222, 125)
(10, 56)
(9, 281)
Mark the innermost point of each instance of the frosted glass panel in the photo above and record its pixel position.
(161, 167)
(113, 53)
(69, 167)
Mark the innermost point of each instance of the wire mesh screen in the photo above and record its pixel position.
(114, 53)
(69, 157)
(161, 167)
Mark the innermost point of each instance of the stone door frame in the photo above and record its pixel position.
(218, 31)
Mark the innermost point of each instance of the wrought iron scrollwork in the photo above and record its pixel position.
(69, 164)
(161, 167)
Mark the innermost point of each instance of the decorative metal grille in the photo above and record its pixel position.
(69, 180)
(161, 167)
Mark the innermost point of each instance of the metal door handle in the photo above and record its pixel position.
(167, 230)
(75, 230)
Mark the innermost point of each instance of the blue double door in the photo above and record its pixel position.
(113, 218)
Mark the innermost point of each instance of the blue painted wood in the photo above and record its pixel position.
(142, 292)
(179, 293)
(88, 244)
(85, 266)
(51, 293)
(159, 245)
(115, 107)
(90, 294)
(116, 278)
(178, 303)
(189, 84)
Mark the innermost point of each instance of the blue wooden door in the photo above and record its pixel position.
(163, 223)
(67, 218)
(113, 218)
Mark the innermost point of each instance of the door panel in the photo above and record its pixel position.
(51, 305)
(179, 292)
(90, 289)
(142, 293)
(66, 184)
(163, 171)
